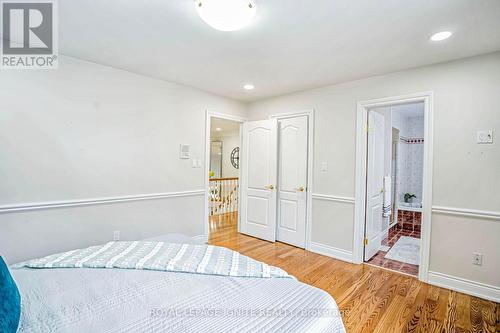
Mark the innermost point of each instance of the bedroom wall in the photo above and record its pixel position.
(91, 132)
(466, 175)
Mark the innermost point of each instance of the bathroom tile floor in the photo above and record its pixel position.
(379, 259)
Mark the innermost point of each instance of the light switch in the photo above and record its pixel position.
(485, 136)
(194, 163)
(324, 166)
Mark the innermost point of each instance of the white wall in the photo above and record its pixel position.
(90, 131)
(466, 175)
(229, 142)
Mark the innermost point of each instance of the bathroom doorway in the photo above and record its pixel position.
(401, 180)
(393, 184)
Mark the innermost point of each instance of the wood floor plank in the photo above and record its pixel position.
(488, 313)
(463, 313)
(451, 313)
(476, 316)
(371, 299)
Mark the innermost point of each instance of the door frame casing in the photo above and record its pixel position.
(208, 122)
(361, 172)
(310, 160)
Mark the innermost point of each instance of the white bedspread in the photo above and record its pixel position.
(123, 300)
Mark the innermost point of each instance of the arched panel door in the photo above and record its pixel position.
(258, 179)
(292, 184)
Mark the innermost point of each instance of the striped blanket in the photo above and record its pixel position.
(160, 256)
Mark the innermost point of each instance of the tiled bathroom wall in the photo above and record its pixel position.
(416, 155)
(410, 154)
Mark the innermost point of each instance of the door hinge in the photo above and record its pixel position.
(366, 241)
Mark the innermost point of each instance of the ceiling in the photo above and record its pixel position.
(292, 45)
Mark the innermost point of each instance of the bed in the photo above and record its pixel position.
(149, 299)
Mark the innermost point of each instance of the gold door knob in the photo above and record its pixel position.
(270, 187)
(300, 189)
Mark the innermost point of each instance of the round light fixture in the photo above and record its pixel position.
(226, 15)
(442, 35)
(249, 86)
(218, 129)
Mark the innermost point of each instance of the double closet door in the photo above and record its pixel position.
(274, 162)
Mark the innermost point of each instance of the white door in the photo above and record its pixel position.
(374, 184)
(258, 179)
(292, 180)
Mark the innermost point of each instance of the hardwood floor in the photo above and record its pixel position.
(371, 299)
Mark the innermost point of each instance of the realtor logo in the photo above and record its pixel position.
(29, 39)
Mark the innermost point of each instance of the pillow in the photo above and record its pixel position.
(10, 301)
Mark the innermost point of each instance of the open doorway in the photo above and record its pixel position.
(394, 187)
(223, 174)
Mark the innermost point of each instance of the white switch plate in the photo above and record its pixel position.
(116, 235)
(324, 166)
(485, 136)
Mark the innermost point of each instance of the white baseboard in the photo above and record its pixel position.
(331, 251)
(473, 288)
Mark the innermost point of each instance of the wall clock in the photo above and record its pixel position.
(235, 157)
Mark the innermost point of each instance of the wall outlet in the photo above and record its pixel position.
(116, 235)
(477, 259)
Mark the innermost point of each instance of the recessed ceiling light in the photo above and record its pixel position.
(226, 15)
(442, 35)
(218, 129)
(249, 86)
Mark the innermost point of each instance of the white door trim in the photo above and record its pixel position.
(208, 120)
(361, 150)
(310, 159)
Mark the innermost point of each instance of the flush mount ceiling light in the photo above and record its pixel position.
(226, 15)
(249, 86)
(218, 129)
(442, 35)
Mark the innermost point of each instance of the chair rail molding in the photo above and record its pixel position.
(96, 201)
(494, 215)
(335, 198)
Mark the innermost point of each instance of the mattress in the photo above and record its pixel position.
(128, 300)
